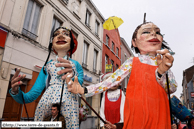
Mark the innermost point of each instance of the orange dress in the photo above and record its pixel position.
(146, 103)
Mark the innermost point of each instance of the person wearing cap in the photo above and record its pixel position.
(52, 77)
(112, 104)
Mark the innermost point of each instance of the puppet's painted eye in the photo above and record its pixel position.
(146, 32)
(66, 34)
(55, 34)
(158, 32)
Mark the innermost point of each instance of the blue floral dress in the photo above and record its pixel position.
(69, 105)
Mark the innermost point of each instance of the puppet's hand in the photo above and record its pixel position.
(67, 65)
(109, 125)
(165, 62)
(16, 80)
(74, 87)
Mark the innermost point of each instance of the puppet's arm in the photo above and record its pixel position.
(162, 81)
(78, 72)
(102, 110)
(114, 79)
(35, 91)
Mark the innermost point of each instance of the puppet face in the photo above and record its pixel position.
(148, 39)
(61, 41)
(114, 87)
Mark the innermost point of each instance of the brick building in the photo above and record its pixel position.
(111, 51)
(188, 88)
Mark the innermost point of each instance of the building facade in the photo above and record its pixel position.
(125, 54)
(188, 88)
(28, 25)
(111, 52)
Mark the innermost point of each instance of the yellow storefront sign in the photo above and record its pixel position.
(108, 68)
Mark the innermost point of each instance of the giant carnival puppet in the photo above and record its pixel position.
(112, 103)
(146, 103)
(52, 77)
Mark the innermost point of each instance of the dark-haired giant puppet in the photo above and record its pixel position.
(51, 77)
(146, 102)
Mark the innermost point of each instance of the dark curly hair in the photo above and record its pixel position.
(164, 43)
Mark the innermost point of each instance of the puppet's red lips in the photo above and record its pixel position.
(61, 42)
(154, 40)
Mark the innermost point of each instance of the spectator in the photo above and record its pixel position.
(56, 116)
(190, 124)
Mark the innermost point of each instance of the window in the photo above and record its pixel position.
(106, 61)
(85, 55)
(88, 15)
(113, 46)
(107, 40)
(125, 57)
(117, 51)
(112, 62)
(192, 105)
(75, 34)
(95, 60)
(89, 100)
(66, 1)
(117, 66)
(31, 19)
(56, 23)
(126, 81)
(76, 6)
(97, 27)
